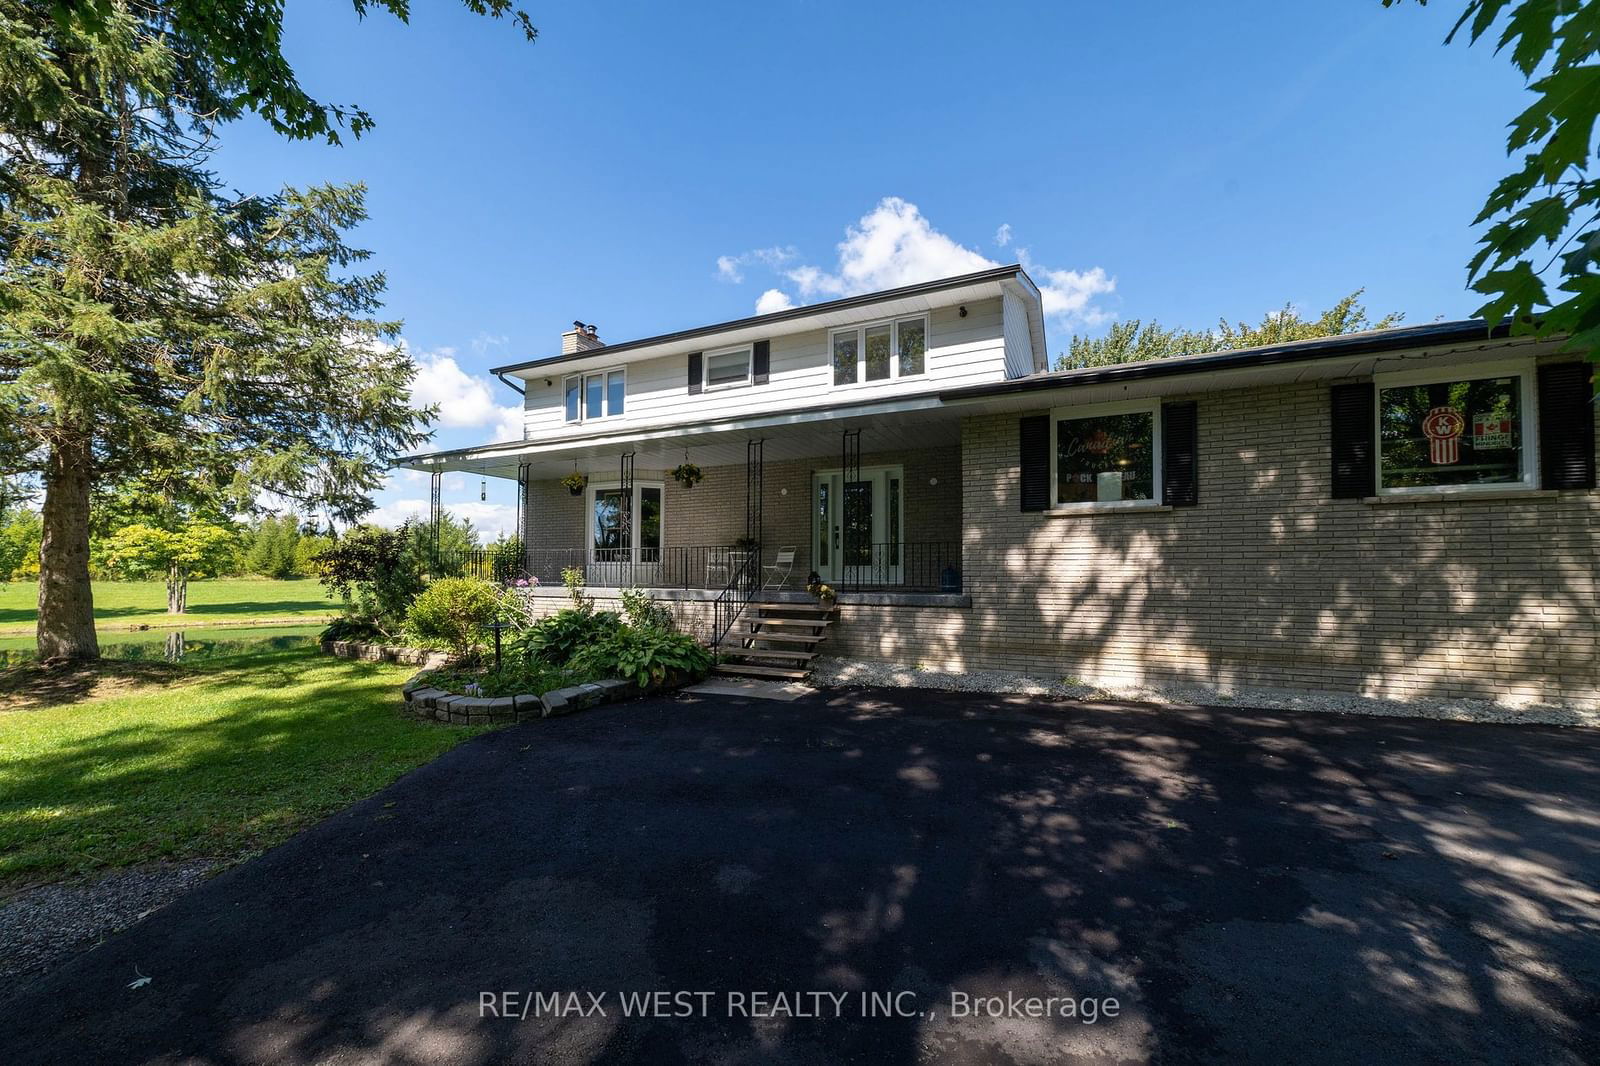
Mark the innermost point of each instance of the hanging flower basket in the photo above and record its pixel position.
(687, 474)
(576, 483)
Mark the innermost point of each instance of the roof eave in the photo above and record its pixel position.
(778, 317)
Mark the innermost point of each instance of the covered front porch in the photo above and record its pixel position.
(867, 505)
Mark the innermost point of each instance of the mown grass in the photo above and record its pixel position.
(219, 759)
(214, 601)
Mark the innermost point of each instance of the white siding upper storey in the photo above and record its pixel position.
(910, 342)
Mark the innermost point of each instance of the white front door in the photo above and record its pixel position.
(620, 555)
(858, 526)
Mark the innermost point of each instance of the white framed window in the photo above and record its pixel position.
(879, 351)
(640, 542)
(598, 394)
(728, 368)
(1468, 429)
(1105, 455)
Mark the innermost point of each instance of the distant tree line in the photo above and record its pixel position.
(1137, 340)
(180, 548)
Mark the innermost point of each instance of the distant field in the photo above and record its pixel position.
(120, 604)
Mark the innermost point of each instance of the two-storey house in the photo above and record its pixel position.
(1405, 512)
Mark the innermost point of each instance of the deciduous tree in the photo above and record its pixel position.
(1542, 221)
(196, 549)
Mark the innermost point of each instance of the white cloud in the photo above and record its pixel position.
(893, 245)
(465, 400)
(1068, 294)
(730, 268)
(773, 300)
(489, 519)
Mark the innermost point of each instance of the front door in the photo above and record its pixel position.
(857, 527)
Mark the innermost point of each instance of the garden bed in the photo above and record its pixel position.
(429, 702)
(386, 653)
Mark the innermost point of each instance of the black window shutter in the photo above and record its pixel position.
(1180, 447)
(1566, 426)
(1033, 435)
(1354, 416)
(761, 362)
(694, 373)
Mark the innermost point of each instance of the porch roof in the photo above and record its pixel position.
(892, 425)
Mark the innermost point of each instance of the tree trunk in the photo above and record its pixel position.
(177, 590)
(66, 603)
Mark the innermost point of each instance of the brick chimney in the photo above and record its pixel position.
(580, 338)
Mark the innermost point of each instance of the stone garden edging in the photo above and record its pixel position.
(428, 702)
(386, 653)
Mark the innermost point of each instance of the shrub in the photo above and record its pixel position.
(455, 612)
(556, 639)
(647, 654)
(352, 629)
(641, 609)
(376, 574)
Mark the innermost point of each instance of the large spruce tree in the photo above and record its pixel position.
(150, 322)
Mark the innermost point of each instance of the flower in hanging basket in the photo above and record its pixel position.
(576, 482)
(687, 474)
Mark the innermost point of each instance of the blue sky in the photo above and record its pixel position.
(649, 167)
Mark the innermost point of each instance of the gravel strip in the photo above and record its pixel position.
(849, 673)
(42, 927)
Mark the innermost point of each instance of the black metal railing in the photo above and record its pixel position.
(907, 566)
(701, 566)
(734, 598)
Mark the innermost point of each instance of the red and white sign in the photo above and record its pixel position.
(1443, 427)
(1491, 432)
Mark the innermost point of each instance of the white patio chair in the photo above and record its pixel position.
(719, 567)
(776, 574)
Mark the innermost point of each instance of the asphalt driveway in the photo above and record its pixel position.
(1247, 887)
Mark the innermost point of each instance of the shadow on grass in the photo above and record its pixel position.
(237, 754)
(236, 609)
(31, 686)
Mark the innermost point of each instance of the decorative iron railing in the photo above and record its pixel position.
(908, 566)
(733, 599)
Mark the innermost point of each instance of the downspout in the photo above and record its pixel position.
(506, 381)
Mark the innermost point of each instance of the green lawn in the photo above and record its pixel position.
(214, 601)
(216, 759)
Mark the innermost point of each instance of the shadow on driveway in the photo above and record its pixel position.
(1249, 887)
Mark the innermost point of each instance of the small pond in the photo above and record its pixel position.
(175, 644)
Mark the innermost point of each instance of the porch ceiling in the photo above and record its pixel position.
(818, 437)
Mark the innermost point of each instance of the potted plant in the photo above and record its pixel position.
(747, 544)
(824, 593)
(687, 474)
(576, 482)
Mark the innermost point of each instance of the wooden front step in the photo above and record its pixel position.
(794, 608)
(743, 670)
(808, 639)
(792, 623)
(770, 653)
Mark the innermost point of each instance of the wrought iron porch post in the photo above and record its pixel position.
(850, 506)
(522, 518)
(435, 513)
(754, 493)
(625, 517)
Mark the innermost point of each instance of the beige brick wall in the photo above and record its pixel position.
(1269, 581)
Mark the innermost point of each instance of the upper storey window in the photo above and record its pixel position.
(879, 351)
(601, 394)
